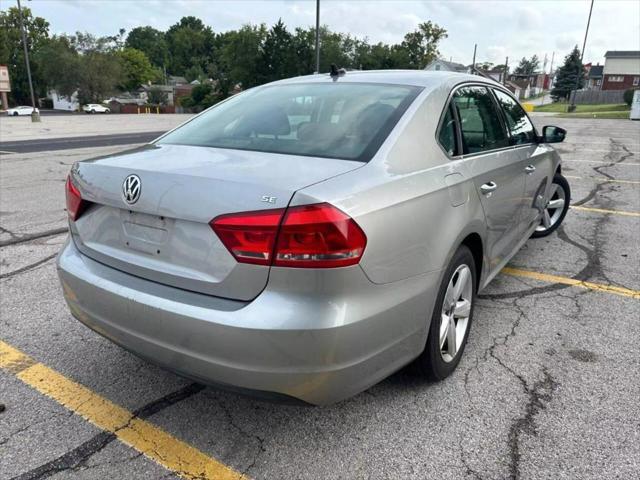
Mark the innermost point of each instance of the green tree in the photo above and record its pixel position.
(566, 76)
(86, 42)
(99, 74)
(156, 96)
(195, 72)
(189, 43)
(278, 59)
(421, 45)
(136, 68)
(240, 54)
(527, 67)
(332, 50)
(59, 64)
(81, 63)
(12, 52)
(485, 65)
(303, 50)
(150, 41)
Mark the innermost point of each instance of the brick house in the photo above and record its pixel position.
(621, 70)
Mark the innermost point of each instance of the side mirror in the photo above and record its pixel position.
(551, 134)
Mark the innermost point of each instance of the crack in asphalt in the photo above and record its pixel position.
(593, 268)
(6, 230)
(26, 268)
(76, 459)
(15, 238)
(539, 395)
(260, 440)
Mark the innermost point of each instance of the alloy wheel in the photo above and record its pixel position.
(456, 310)
(553, 211)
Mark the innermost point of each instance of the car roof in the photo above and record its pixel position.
(419, 78)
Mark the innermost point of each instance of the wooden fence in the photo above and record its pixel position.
(598, 96)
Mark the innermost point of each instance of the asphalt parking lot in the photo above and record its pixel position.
(548, 386)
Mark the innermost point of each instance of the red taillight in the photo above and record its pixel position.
(309, 236)
(249, 236)
(318, 236)
(75, 204)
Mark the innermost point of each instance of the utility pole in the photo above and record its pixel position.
(35, 116)
(572, 107)
(506, 71)
(553, 55)
(473, 65)
(317, 36)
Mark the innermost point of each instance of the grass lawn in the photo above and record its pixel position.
(619, 114)
(605, 107)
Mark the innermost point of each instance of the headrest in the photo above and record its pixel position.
(372, 118)
(265, 121)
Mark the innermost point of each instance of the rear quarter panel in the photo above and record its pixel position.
(402, 200)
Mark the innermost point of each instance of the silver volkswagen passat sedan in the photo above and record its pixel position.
(307, 238)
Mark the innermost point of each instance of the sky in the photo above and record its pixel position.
(513, 28)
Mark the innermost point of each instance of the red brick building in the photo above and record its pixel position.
(621, 70)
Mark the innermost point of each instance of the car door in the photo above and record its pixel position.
(497, 175)
(535, 160)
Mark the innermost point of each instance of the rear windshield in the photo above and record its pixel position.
(337, 120)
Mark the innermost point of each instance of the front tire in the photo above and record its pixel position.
(556, 208)
(451, 319)
(15, 114)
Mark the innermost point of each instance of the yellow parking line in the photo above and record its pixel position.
(146, 438)
(544, 277)
(604, 179)
(602, 210)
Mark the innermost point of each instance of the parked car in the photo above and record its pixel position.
(21, 110)
(309, 237)
(95, 108)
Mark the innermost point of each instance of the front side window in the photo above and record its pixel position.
(519, 125)
(479, 120)
(332, 120)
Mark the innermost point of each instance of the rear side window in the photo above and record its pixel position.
(333, 120)
(480, 122)
(448, 135)
(519, 125)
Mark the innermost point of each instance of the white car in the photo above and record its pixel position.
(95, 108)
(21, 110)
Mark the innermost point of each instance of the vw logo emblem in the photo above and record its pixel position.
(131, 189)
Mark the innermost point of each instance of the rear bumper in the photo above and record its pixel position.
(305, 336)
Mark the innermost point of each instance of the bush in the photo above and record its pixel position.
(199, 93)
(186, 102)
(628, 96)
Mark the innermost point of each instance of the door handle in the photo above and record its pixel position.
(529, 169)
(488, 187)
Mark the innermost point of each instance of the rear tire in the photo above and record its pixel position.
(453, 308)
(553, 217)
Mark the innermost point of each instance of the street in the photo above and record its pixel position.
(547, 388)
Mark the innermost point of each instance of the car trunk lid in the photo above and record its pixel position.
(165, 235)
